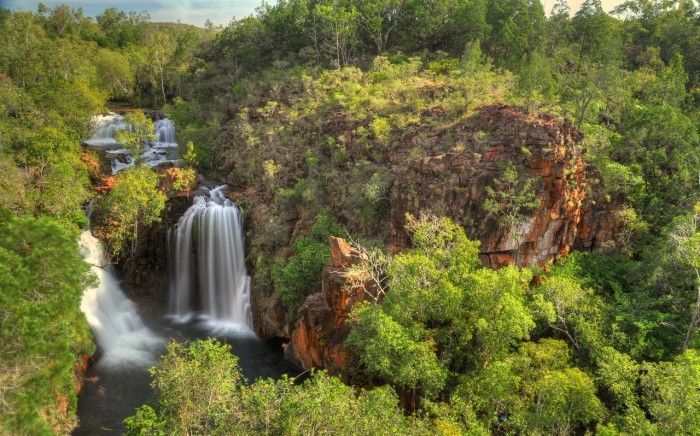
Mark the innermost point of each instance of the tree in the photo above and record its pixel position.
(685, 237)
(598, 33)
(201, 390)
(139, 133)
(513, 196)
(517, 29)
(670, 393)
(300, 275)
(42, 278)
(338, 26)
(115, 73)
(379, 19)
(133, 202)
(161, 49)
(388, 352)
(197, 385)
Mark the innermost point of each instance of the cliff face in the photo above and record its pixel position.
(454, 183)
(321, 326)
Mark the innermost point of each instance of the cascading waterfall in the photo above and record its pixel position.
(208, 273)
(106, 129)
(121, 334)
(162, 151)
(165, 131)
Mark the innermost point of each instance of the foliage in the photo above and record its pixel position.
(321, 404)
(299, 276)
(511, 199)
(42, 277)
(134, 201)
(389, 353)
(138, 134)
(670, 393)
(294, 102)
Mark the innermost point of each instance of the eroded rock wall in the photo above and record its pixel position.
(453, 182)
(321, 328)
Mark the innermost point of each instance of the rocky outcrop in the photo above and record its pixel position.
(321, 328)
(447, 169)
(453, 182)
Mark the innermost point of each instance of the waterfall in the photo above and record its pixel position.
(165, 131)
(121, 334)
(161, 152)
(208, 273)
(106, 129)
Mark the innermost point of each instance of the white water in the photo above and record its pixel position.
(208, 273)
(165, 131)
(163, 151)
(106, 129)
(121, 334)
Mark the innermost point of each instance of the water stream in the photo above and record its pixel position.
(209, 296)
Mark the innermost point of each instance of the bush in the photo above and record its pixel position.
(206, 370)
(42, 277)
(134, 201)
(300, 275)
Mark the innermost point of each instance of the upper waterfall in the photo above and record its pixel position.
(207, 263)
(121, 334)
(161, 151)
(165, 131)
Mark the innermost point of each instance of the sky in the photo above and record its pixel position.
(197, 11)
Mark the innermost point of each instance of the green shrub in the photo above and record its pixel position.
(200, 392)
(300, 275)
(42, 277)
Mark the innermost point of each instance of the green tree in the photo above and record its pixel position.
(42, 277)
(160, 49)
(133, 202)
(115, 73)
(670, 394)
(512, 197)
(379, 19)
(389, 353)
(139, 133)
(685, 238)
(337, 28)
(300, 275)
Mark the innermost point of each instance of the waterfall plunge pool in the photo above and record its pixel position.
(114, 393)
(208, 297)
(129, 342)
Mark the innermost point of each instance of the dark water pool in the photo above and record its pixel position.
(112, 394)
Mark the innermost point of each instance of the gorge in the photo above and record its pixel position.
(395, 217)
(208, 293)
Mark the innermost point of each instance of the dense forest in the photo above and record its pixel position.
(315, 111)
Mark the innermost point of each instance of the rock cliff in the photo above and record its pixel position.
(321, 326)
(544, 150)
(453, 182)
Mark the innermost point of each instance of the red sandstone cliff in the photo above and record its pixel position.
(452, 182)
(321, 328)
